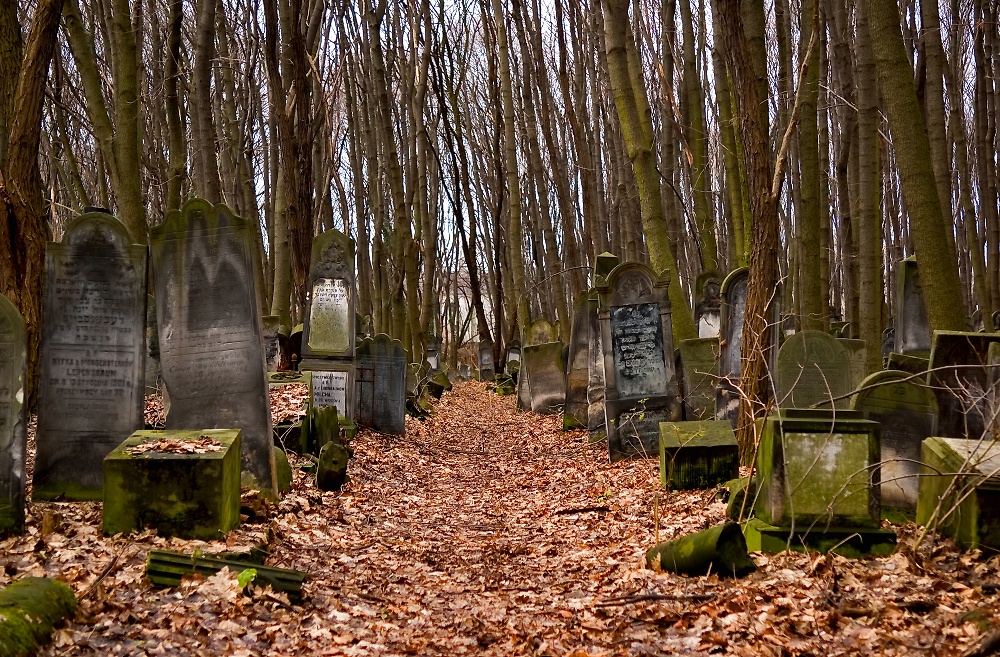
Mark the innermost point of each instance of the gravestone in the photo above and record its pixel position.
(577, 366)
(996, 320)
(787, 324)
(976, 322)
(153, 372)
(513, 356)
(545, 373)
(486, 370)
(697, 454)
(707, 309)
(272, 352)
(913, 333)
(732, 312)
(540, 332)
(888, 342)
(333, 385)
(641, 385)
(813, 367)
(330, 324)
(959, 377)
(13, 419)
(93, 355)
(699, 375)
(596, 420)
(907, 412)
(380, 382)
(908, 364)
(210, 332)
(433, 351)
(857, 353)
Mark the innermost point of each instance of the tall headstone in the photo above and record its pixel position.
(545, 372)
(331, 321)
(331, 329)
(486, 367)
(913, 333)
(640, 381)
(708, 307)
(699, 374)
(733, 309)
(577, 366)
(596, 421)
(93, 355)
(907, 411)
(959, 376)
(272, 352)
(13, 420)
(813, 368)
(857, 351)
(210, 330)
(381, 384)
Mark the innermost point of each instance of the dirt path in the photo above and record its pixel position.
(466, 537)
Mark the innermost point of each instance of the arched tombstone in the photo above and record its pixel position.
(813, 368)
(13, 420)
(93, 355)
(641, 383)
(707, 309)
(331, 322)
(543, 368)
(732, 311)
(976, 323)
(381, 384)
(486, 366)
(210, 331)
(908, 413)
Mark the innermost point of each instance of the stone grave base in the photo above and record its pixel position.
(185, 495)
(697, 454)
(850, 542)
(971, 507)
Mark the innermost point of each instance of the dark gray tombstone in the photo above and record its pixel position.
(93, 356)
(813, 368)
(272, 353)
(976, 322)
(577, 367)
(486, 367)
(433, 350)
(545, 372)
(959, 377)
(380, 381)
(640, 383)
(13, 419)
(787, 324)
(707, 310)
(908, 413)
(888, 342)
(330, 327)
(913, 333)
(699, 375)
(210, 332)
(733, 309)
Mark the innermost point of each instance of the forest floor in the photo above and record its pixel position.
(480, 532)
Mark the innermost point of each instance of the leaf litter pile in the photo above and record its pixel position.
(170, 445)
(489, 532)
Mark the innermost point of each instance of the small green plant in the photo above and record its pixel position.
(246, 576)
(605, 496)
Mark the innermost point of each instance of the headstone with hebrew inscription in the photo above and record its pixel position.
(959, 376)
(380, 384)
(330, 324)
(908, 413)
(913, 333)
(93, 355)
(13, 420)
(814, 368)
(210, 329)
(640, 381)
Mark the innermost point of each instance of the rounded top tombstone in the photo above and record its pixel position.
(542, 331)
(97, 231)
(813, 367)
(894, 390)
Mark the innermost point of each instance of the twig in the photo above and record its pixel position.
(632, 599)
(110, 568)
(585, 509)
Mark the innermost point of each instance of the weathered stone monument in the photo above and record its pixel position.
(641, 385)
(577, 367)
(813, 369)
(543, 368)
(857, 352)
(959, 376)
(486, 367)
(733, 309)
(93, 355)
(913, 333)
(596, 420)
(272, 351)
(708, 307)
(699, 376)
(13, 420)
(330, 333)
(381, 384)
(907, 412)
(697, 454)
(210, 331)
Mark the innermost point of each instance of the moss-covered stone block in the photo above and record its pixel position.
(697, 454)
(283, 469)
(505, 385)
(850, 542)
(29, 608)
(331, 471)
(960, 490)
(438, 385)
(741, 495)
(818, 467)
(188, 495)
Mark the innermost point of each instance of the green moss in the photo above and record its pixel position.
(284, 470)
(28, 610)
(55, 490)
(850, 542)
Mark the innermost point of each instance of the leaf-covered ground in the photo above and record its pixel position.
(481, 532)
